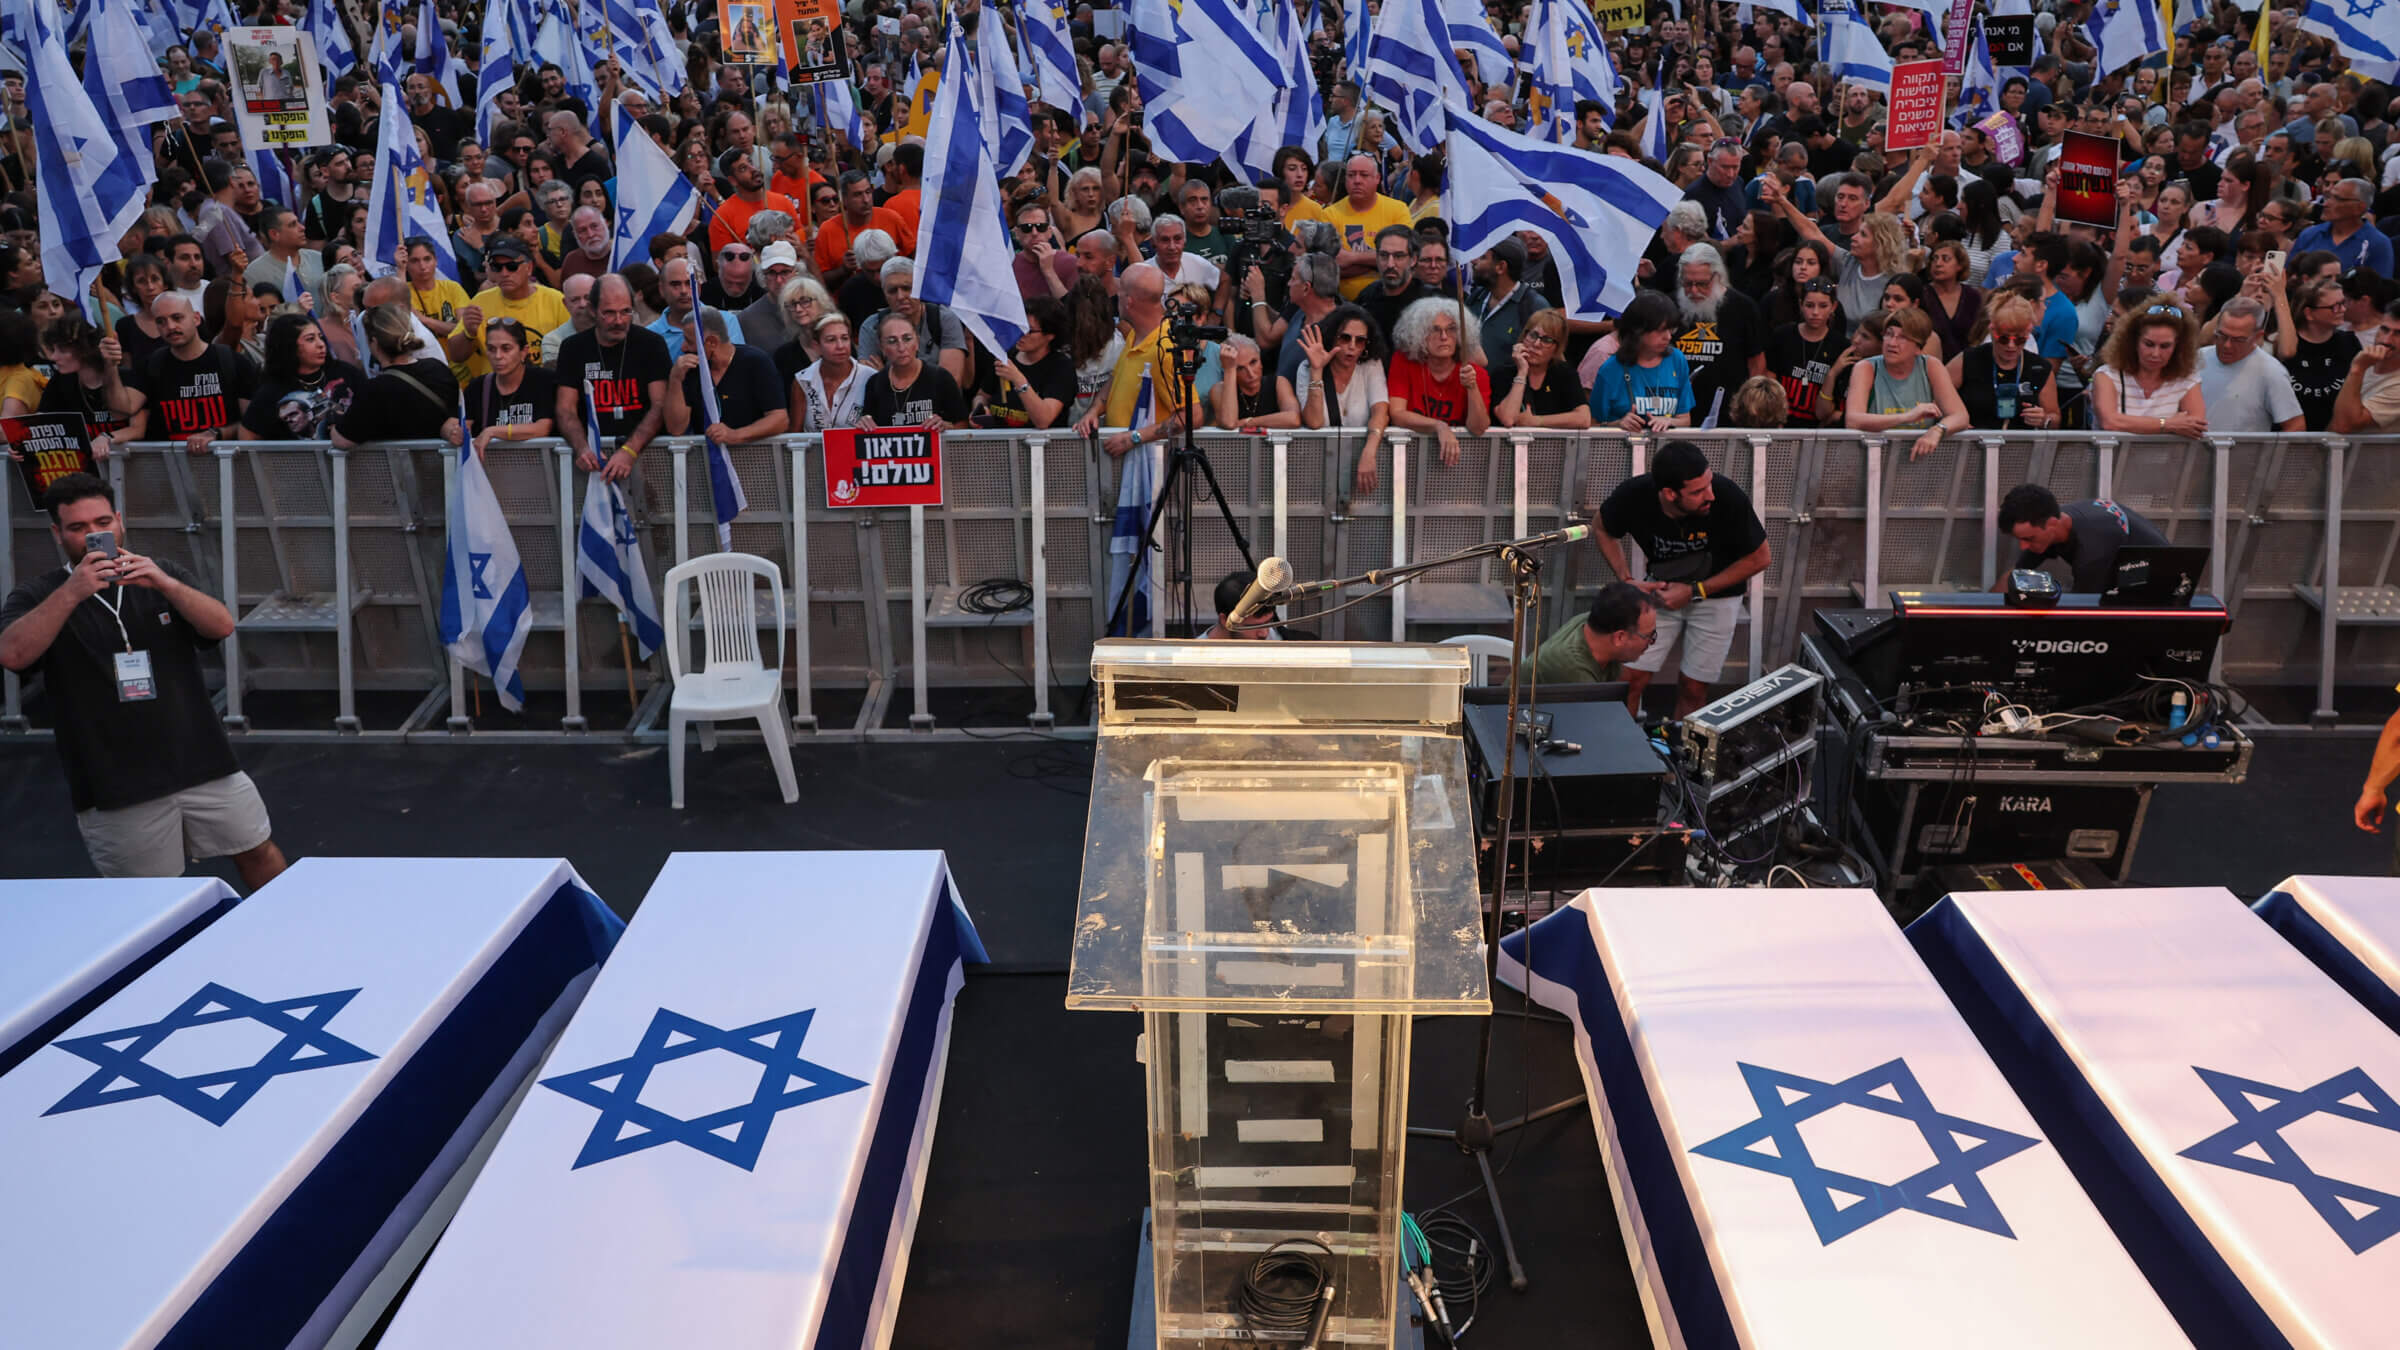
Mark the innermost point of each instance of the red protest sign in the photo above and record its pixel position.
(894, 466)
(1957, 28)
(47, 447)
(2087, 180)
(1917, 99)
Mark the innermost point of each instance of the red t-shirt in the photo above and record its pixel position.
(1445, 401)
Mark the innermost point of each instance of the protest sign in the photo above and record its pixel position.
(1917, 99)
(279, 93)
(891, 466)
(2087, 180)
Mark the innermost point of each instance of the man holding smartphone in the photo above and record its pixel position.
(117, 639)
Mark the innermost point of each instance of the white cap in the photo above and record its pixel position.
(778, 254)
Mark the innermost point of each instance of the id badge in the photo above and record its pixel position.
(2004, 402)
(134, 684)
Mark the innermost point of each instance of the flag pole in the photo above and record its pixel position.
(625, 649)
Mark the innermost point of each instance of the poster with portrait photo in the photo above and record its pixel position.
(279, 90)
(813, 44)
(746, 32)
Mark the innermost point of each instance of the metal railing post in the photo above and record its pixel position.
(804, 712)
(1037, 485)
(344, 648)
(1874, 466)
(1520, 447)
(458, 686)
(1279, 452)
(683, 504)
(570, 517)
(1991, 508)
(922, 718)
(1755, 590)
(1399, 441)
(2328, 626)
(230, 575)
(2221, 462)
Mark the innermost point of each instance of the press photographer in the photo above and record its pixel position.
(117, 638)
(1258, 266)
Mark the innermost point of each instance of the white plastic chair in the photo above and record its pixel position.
(734, 683)
(1481, 648)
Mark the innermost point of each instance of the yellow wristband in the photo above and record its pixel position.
(1700, 588)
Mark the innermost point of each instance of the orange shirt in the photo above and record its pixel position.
(833, 241)
(732, 220)
(794, 189)
(906, 206)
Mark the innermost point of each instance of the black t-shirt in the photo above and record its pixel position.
(188, 397)
(1559, 392)
(1801, 365)
(536, 400)
(2090, 551)
(2317, 370)
(747, 391)
(443, 128)
(715, 296)
(1688, 548)
(137, 344)
(1051, 377)
(1726, 207)
(1720, 349)
(120, 754)
(617, 379)
(301, 410)
(593, 167)
(934, 394)
(1985, 389)
(391, 408)
(66, 394)
(1385, 308)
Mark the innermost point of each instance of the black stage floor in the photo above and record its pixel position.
(1038, 1179)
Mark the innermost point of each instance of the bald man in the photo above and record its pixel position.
(191, 390)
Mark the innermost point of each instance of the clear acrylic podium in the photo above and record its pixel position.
(1279, 871)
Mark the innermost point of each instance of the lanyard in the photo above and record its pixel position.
(114, 611)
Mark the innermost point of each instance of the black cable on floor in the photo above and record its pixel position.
(1280, 1290)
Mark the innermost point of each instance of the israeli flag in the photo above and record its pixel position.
(666, 59)
(495, 67)
(1128, 542)
(322, 20)
(2366, 31)
(1979, 84)
(1471, 32)
(123, 82)
(962, 241)
(1050, 50)
(1358, 30)
(2126, 31)
(1415, 73)
(433, 58)
(1213, 76)
(725, 493)
(90, 191)
(487, 609)
(1566, 56)
(1598, 212)
(1854, 52)
(1007, 118)
(1654, 115)
(553, 33)
(1297, 116)
(652, 197)
(623, 36)
(73, 942)
(275, 182)
(401, 203)
(837, 110)
(608, 557)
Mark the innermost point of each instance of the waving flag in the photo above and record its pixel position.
(608, 558)
(1358, 29)
(495, 67)
(653, 197)
(322, 20)
(433, 58)
(1050, 50)
(625, 36)
(1204, 74)
(275, 182)
(1566, 54)
(401, 203)
(1007, 118)
(1850, 47)
(1471, 32)
(1979, 83)
(2126, 31)
(89, 191)
(2366, 31)
(1297, 116)
(837, 110)
(487, 609)
(1414, 73)
(1598, 212)
(553, 32)
(1128, 534)
(666, 60)
(122, 80)
(963, 253)
(1654, 114)
(724, 485)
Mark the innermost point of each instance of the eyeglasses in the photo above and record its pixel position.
(1540, 339)
(1649, 639)
(736, 255)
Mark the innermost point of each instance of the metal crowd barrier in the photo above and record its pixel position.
(332, 560)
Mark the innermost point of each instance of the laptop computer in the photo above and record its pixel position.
(2156, 576)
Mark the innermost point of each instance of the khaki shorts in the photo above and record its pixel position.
(1706, 629)
(157, 838)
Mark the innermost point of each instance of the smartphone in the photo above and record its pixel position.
(2275, 258)
(102, 542)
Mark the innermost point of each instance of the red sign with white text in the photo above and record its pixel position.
(1957, 28)
(1917, 98)
(2087, 179)
(892, 466)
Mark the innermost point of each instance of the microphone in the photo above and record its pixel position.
(1274, 574)
(1573, 534)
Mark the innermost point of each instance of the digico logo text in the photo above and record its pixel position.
(2061, 647)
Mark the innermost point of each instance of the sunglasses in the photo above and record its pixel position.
(736, 255)
(504, 264)
(1350, 340)
(1032, 226)
(1820, 288)
(2175, 310)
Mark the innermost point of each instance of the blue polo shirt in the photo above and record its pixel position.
(2370, 248)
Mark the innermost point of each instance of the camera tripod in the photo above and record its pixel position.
(1175, 499)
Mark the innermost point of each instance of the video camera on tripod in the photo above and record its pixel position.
(1187, 334)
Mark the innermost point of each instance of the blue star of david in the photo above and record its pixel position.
(1892, 1090)
(625, 1126)
(476, 563)
(2360, 1215)
(2362, 9)
(213, 1097)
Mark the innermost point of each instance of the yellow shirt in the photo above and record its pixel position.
(24, 384)
(1304, 209)
(443, 302)
(1359, 229)
(1154, 355)
(540, 311)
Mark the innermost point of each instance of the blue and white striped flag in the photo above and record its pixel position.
(652, 197)
(608, 557)
(1655, 141)
(1297, 116)
(625, 36)
(1128, 542)
(1415, 73)
(89, 190)
(487, 608)
(1566, 56)
(2123, 32)
(1850, 47)
(1007, 118)
(1979, 83)
(495, 67)
(401, 203)
(1598, 212)
(725, 493)
(1050, 51)
(553, 32)
(433, 58)
(322, 20)
(2366, 31)
(837, 110)
(1471, 32)
(275, 182)
(666, 59)
(1358, 29)
(1204, 74)
(963, 253)
(122, 80)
